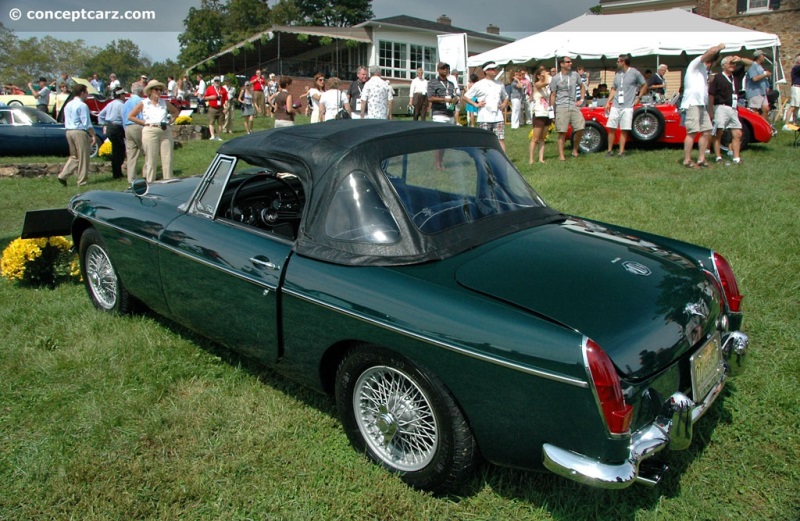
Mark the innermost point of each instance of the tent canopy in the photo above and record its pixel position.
(671, 36)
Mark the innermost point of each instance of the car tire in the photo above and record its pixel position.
(101, 279)
(15, 103)
(94, 149)
(647, 125)
(746, 136)
(405, 420)
(594, 139)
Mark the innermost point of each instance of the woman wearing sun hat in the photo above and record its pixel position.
(156, 116)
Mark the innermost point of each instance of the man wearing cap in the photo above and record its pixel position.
(111, 119)
(757, 84)
(442, 95)
(80, 136)
(259, 83)
(133, 136)
(492, 101)
(42, 95)
(694, 106)
(217, 98)
(140, 83)
(562, 97)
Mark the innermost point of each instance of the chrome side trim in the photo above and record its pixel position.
(450, 347)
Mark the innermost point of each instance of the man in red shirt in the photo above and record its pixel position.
(259, 86)
(216, 98)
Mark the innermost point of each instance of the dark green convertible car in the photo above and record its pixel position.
(408, 269)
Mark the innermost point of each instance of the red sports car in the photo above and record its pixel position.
(661, 123)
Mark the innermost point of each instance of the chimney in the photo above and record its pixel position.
(493, 29)
(444, 20)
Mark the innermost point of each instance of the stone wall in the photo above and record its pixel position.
(783, 21)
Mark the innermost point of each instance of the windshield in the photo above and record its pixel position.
(443, 188)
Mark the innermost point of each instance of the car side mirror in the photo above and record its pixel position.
(139, 186)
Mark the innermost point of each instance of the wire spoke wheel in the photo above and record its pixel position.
(396, 418)
(101, 277)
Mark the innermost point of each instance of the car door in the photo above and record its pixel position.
(221, 278)
(24, 137)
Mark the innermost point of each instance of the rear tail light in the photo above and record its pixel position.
(729, 286)
(617, 413)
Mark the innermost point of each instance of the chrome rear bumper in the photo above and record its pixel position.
(672, 428)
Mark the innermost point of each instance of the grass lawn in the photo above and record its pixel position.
(117, 417)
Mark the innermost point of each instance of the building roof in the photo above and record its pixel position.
(410, 22)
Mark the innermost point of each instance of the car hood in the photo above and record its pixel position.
(643, 304)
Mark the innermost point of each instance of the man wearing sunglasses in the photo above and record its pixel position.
(562, 96)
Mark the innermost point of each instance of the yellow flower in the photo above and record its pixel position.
(105, 150)
(43, 261)
(183, 120)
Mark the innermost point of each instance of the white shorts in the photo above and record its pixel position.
(726, 117)
(440, 118)
(620, 118)
(756, 102)
(794, 99)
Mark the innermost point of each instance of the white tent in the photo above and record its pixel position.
(671, 36)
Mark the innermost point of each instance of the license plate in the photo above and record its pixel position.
(707, 368)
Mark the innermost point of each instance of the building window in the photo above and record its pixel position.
(757, 5)
(401, 60)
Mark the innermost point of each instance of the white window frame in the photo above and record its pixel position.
(394, 59)
(757, 9)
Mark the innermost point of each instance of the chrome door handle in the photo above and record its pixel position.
(264, 262)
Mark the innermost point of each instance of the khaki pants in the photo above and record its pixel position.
(133, 148)
(80, 149)
(258, 101)
(157, 142)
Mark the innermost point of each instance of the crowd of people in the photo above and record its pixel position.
(136, 121)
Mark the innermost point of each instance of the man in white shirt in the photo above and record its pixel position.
(694, 106)
(492, 101)
(376, 97)
(418, 96)
(80, 136)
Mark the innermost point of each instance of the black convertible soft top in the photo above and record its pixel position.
(323, 154)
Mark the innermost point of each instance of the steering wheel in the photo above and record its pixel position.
(277, 208)
(424, 216)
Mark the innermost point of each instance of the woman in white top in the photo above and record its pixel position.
(332, 100)
(314, 94)
(541, 112)
(248, 109)
(156, 116)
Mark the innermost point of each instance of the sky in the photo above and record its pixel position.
(158, 40)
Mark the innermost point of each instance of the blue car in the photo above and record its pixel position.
(25, 131)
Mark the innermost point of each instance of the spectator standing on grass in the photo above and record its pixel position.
(694, 106)
(259, 87)
(248, 110)
(111, 119)
(230, 89)
(133, 136)
(200, 93)
(140, 83)
(517, 95)
(628, 87)
(541, 113)
(284, 104)
(442, 96)
(794, 99)
(217, 98)
(355, 91)
(80, 137)
(332, 100)
(418, 96)
(42, 95)
(472, 110)
(562, 97)
(657, 85)
(758, 84)
(723, 98)
(156, 116)
(314, 94)
(272, 89)
(376, 96)
(492, 102)
(113, 82)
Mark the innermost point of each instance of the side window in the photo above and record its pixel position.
(357, 213)
(208, 200)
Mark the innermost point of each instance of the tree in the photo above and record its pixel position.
(204, 34)
(120, 57)
(334, 13)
